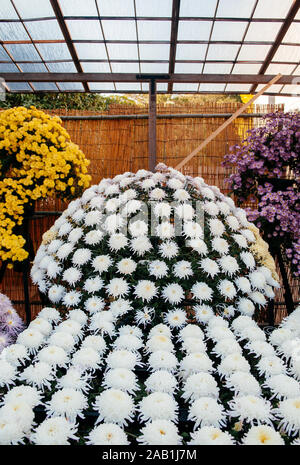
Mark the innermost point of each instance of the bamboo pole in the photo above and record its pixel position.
(226, 123)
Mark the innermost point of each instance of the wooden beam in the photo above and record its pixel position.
(131, 77)
(173, 41)
(226, 123)
(152, 125)
(67, 37)
(282, 31)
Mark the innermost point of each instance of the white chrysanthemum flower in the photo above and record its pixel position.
(145, 290)
(165, 230)
(295, 367)
(210, 436)
(107, 434)
(64, 229)
(138, 228)
(224, 207)
(232, 222)
(160, 330)
(54, 432)
(191, 345)
(270, 366)
(126, 266)
(113, 223)
(202, 291)
(220, 245)
(282, 386)
(243, 384)
(53, 269)
(27, 394)
(94, 284)
(20, 414)
(207, 193)
(174, 183)
(158, 406)
(140, 245)
(209, 266)
(160, 432)
(81, 257)
(203, 313)
(62, 339)
(161, 381)
(228, 311)
(122, 359)
(148, 184)
(240, 240)
(257, 280)
(181, 195)
(182, 269)
(173, 293)
(194, 363)
(86, 358)
(15, 354)
(252, 333)
(233, 362)
(175, 318)
(64, 250)
(207, 412)
(248, 259)
(198, 385)
(226, 347)
(56, 293)
(128, 342)
(217, 333)
(157, 194)
(95, 342)
(243, 284)
(38, 375)
(158, 268)
(117, 287)
(245, 306)
(93, 218)
(41, 325)
(122, 379)
(217, 321)
(159, 342)
(75, 234)
(71, 327)
(53, 355)
(67, 403)
(260, 348)
(75, 379)
(227, 289)
(130, 330)
(242, 322)
(112, 205)
(8, 373)
(93, 237)
(229, 265)
(262, 435)
(117, 241)
(32, 339)
(115, 406)
(131, 207)
(101, 263)
(50, 314)
(94, 304)
(162, 360)
(198, 245)
(191, 330)
(290, 348)
(168, 249)
(258, 298)
(144, 317)
(216, 227)
(248, 235)
(162, 210)
(54, 246)
(288, 412)
(72, 299)
(251, 409)
(120, 307)
(211, 208)
(100, 323)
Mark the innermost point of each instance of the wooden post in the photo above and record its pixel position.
(152, 125)
(226, 123)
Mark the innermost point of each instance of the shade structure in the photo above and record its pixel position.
(116, 46)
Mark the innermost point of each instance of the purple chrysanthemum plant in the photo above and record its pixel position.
(10, 322)
(266, 176)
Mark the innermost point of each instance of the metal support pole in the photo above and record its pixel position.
(152, 125)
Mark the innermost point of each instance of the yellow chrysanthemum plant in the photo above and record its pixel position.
(37, 160)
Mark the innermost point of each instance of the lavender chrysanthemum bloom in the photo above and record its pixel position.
(10, 322)
(5, 340)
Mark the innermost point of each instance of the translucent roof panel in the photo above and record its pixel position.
(78, 7)
(87, 51)
(153, 8)
(23, 52)
(34, 8)
(13, 31)
(230, 8)
(238, 88)
(222, 51)
(85, 29)
(211, 87)
(263, 31)
(292, 89)
(128, 86)
(154, 30)
(253, 52)
(104, 86)
(7, 11)
(191, 51)
(3, 54)
(71, 86)
(217, 68)
(44, 30)
(125, 67)
(119, 30)
(33, 67)
(185, 87)
(198, 9)
(62, 67)
(287, 53)
(122, 51)
(154, 51)
(194, 30)
(8, 68)
(225, 30)
(188, 68)
(275, 68)
(156, 68)
(90, 67)
(293, 33)
(54, 51)
(246, 68)
(274, 89)
(272, 8)
(19, 86)
(116, 7)
(45, 86)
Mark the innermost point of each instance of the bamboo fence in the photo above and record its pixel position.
(117, 145)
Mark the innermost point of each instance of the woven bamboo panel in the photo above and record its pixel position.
(116, 146)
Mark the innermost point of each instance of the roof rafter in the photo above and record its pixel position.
(67, 37)
(173, 40)
(281, 33)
